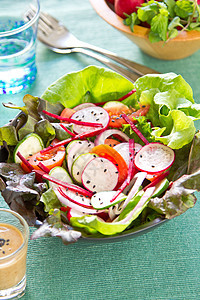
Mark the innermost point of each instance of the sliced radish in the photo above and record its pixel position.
(100, 174)
(79, 164)
(123, 150)
(137, 147)
(130, 170)
(76, 150)
(74, 213)
(76, 197)
(102, 200)
(100, 139)
(154, 158)
(139, 178)
(74, 121)
(60, 192)
(137, 209)
(92, 115)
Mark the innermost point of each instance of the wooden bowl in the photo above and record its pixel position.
(184, 45)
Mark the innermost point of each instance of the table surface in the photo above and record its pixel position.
(161, 264)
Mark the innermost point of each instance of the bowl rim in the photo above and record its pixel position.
(103, 9)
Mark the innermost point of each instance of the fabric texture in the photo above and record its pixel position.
(161, 264)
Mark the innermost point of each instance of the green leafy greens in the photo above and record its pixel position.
(170, 120)
(166, 18)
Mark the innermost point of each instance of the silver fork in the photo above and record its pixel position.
(58, 38)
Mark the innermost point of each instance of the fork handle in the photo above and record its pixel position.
(133, 66)
(124, 72)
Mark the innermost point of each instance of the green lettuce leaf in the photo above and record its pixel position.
(50, 200)
(179, 198)
(53, 226)
(172, 107)
(99, 83)
(130, 213)
(21, 192)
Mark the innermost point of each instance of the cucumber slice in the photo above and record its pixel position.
(79, 164)
(70, 145)
(77, 149)
(116, 104)
(160, 187)
(29, 145)
(59, 173)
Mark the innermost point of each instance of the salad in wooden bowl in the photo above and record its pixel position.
(99, 157)
(167, 30)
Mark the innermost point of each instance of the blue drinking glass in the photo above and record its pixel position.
(18, 36)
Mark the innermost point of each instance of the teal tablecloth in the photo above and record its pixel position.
(162, 264)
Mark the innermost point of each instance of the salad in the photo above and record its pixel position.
(165, 19)
(97, 156)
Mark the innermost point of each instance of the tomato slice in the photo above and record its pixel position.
(116, 120)
(111, 142)
(50, 159)
(67, 113)
(111, 154)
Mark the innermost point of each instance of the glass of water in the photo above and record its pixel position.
(17, 44)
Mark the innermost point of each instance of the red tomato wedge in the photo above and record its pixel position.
(50, 159)
(67, 113)
(111, 142)
(116, 119)
(111, 154)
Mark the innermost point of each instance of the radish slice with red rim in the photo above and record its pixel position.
(74, 213)
(100, 139)
(91, 115)
(100, 174)
(154, 158)
(76, 150)
(130, 170)
(67, 201)
(139, 178)
(144, 200)
(123, 150)
(83, 106)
